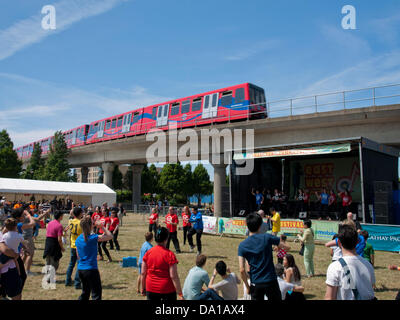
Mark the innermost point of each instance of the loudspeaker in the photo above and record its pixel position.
(383, 201)
(303, 215)
(242, 213)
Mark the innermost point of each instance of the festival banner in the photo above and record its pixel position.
(383, 237)
(324, 230)
(210, 224)
(291, 227)
(234, 226)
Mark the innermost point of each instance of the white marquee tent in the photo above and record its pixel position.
(87, 193)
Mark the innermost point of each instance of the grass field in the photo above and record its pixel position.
(120, 283)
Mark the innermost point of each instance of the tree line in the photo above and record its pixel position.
(175, 183)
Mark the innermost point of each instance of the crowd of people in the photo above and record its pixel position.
(350, 276)
(326, 204)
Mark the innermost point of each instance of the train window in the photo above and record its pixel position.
(96, 126)
(113, 123)
(119, 123)
(108, 124)
(226, 98)
(239, 95)
(214, 100)
(154, 113)
(160, 111)
(185, 106)
(175, 109)
(135, 117)
(166, 110)
(196, 105)
(207, 100)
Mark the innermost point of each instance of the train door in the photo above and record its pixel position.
(210, 106)
(162, 115)
(100, 131)
(126, 123)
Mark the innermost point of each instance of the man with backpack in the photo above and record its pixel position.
(351, 277)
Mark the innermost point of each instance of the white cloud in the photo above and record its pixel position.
(29, 31)
(387, 29)
(252, 50)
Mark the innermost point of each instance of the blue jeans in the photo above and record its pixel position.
(72, 262)
(210, 294)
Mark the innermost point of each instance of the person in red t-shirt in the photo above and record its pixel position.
(96, 215)
(153, 220)
(186, 224)
(346, 203)
(171, 220)
(160, 271)
(114, 229)
(105, 221)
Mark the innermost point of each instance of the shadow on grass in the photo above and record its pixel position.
(309, 296)
(217, 257)
(386, 289)
(114, 287)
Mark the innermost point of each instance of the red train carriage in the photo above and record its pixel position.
(239, 102)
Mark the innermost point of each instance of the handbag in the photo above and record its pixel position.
(301, 252)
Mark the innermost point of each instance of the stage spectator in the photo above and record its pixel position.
(259, 199)
(336, 251)
(121, 212)
(3, 215)
(284, 286)
(228, 285)
(257, 251)
(352, 277)
(153, 220)
(276, 221)
(196, 279)
(299, 201)
(306, 198)
(86, 247)
(196, 219)
(10, 279)
(276, 200)
(160, 271)
(307, 239)
(54, 246)
(146, 246)
(323, 199)
(267, 199)
(281, 253)
(171, 220)
(265, 227)
(369, 253)
(347, 200)
(114, 229)
(332, 204)
(75, 230)
(185, 223)
(351, 221)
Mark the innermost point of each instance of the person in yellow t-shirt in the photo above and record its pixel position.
(276, 221)
(75, 230)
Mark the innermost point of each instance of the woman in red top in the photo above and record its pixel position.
(346, 203)
(114, 229)
(105, 221)
(186, 224)
(160, 271)
(172, 221)
(153, 220)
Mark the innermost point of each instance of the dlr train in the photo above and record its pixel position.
(240, 102)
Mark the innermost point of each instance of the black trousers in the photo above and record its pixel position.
(161, 296)
(174, 237)
(198, 233)
(185, 232)
(270, 289)
(22, 271)
(114, 241)
(102, 245)
(323, 210)
(153, 227)
(91, 284)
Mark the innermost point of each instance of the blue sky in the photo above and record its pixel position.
(109, 56)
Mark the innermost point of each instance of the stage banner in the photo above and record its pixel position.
(384, 238)
(234, 225)
(210, 224)
(324, 230)
(291, 227)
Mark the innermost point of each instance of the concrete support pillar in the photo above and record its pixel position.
(123, 168)
(108, 168)
(137, 183)
(219, 182)
(84, 174)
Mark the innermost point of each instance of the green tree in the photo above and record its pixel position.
(201, 182)
(172, 183)
(188, 188)
(57, 167)
(10, 165)
(35, 167)
(117, 179)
